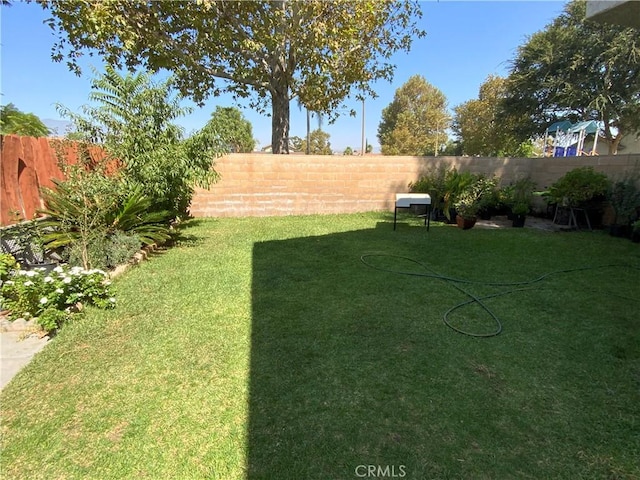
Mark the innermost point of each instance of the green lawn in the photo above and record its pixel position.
(264, 348)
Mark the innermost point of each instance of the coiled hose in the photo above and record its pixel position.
(456, 283)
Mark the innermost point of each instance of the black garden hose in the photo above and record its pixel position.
(455, 282)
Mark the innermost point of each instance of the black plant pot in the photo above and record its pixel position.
(622, 231)
(484, 214)
(518, 220)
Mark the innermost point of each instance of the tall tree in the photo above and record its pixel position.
(14, 121)
(233, 129)
(415, 122)
(577, 69)
(319, 143)
(133, 119)
(478, 124)
(269, 52)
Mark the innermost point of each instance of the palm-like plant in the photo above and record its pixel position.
(78, 215)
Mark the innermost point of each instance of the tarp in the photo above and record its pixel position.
(565, 126)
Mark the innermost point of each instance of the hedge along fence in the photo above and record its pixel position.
(26, 165)
(263, 184)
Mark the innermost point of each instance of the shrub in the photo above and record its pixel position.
(106, 251)
(624, 197)
(519, 195)
(579, 186)
(86, 213)
(7, 263)
(31, 293)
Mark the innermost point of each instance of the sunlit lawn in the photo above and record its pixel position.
(263, 348)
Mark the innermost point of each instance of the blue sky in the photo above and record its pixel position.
(466, 42)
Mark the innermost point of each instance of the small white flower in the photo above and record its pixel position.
(58, 269)
(107, 282)
(31, 273)
(48, 279)
(28, 283)
(66, 280)
(112, 299)
(44, 300)
(59, 290)
(9, 282)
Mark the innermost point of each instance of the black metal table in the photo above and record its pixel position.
(406, 200)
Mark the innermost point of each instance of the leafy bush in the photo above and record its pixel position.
(7, 263)
(30, 293)
(470, 200)
(578, 186)
(519, 195)
(132, 118)
(106, 252)
(86, 212)
(624, 197)
(449, 188)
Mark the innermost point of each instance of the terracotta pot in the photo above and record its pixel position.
(465, 223)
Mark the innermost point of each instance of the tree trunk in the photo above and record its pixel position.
(613, 146)
(308, 151)
(280, 121)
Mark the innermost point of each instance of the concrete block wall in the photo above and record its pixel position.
(263, 184)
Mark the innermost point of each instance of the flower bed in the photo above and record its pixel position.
(53, 297)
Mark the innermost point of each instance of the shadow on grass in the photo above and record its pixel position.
(354, 375)
(181, 236)
(336, 367)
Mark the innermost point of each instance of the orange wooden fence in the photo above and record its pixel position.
(26, 165)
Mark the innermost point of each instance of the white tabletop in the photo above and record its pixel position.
(405, 200)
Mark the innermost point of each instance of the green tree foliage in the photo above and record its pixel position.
(233, 129)
(580, 70)
(132, 117)
(269, 52)
(296, 144)
(478, 125)
(415, 122)
(13, 121)
(319, 145)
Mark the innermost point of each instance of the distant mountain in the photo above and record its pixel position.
(59, 128)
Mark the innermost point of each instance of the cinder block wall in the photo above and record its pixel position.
(263, 185)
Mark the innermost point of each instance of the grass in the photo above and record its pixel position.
(263, 348)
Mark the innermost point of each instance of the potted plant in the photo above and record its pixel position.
(467, 208)
(490, 199)
(432, 182)
(581, 187)
(624, 198)
(519, 201)
(469, 201)
(455, 185)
